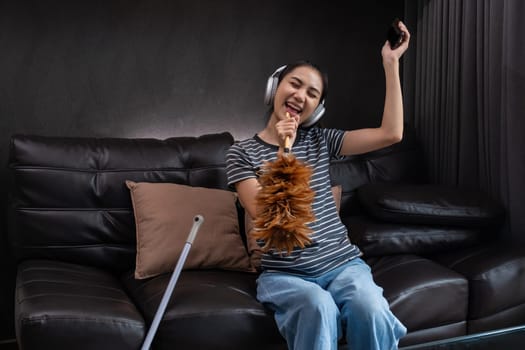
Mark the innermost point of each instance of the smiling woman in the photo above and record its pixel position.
(310, 269)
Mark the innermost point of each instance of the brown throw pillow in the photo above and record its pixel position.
(164, 215)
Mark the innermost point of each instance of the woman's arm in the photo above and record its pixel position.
(247, 190)
(391, 129)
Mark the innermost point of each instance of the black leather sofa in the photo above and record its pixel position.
(435, 250)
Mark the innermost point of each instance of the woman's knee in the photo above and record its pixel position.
(319, 302)
(367, 304)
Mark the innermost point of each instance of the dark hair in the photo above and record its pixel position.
(302, 63)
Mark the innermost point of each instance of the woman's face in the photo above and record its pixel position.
(299, 93)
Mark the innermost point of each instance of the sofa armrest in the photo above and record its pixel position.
(430, 205)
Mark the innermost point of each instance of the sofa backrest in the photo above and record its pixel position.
(68, 198)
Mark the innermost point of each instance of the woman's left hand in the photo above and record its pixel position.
(390, 55)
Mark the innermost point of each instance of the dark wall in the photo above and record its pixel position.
(166, 68)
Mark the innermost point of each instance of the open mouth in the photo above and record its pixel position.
(292, 109)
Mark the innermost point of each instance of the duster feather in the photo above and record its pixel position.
(284, 204)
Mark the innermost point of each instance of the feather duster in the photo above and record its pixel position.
(284, 204)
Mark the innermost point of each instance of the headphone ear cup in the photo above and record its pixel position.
(315, 116)
(271, 86)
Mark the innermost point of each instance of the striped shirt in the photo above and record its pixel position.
(330, 246)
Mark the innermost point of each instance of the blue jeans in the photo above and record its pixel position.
(311, 313)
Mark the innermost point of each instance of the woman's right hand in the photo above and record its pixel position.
(287, 128)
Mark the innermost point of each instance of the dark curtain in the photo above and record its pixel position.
(465, 82)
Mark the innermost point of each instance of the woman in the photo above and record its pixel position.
(324, 290)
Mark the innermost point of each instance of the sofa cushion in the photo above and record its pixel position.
(430, 205)
(164, 215)
(61, 305)
(209, 309)
(423, 295)
(495, 274)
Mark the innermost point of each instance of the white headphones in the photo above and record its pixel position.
(269, 94)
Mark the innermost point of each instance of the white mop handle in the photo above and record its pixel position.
(197, 221)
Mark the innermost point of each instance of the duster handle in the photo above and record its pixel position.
(287, 140)
(287, 145)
